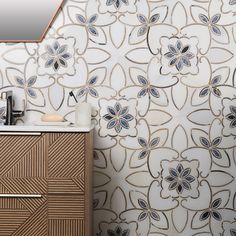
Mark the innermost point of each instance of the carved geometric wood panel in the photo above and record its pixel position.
(11, 220)
(36, 224)
(66, 207)
(66, 227)
(66, 164)
(52, 165)
(66, 186)
(66, 156)
(19, 217)
(13, 150)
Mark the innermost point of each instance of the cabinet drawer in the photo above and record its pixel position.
(22, 156)
(66, 156)
(23, 216)
(66, 164)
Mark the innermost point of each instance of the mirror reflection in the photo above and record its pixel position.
(26, 20)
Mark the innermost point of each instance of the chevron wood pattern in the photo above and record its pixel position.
(32, 204)
(66, 186)
(79, 181)
(11, 220)
(35, 225)
(25, 185)
(54, 166)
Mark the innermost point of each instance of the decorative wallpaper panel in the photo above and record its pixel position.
(160, 75)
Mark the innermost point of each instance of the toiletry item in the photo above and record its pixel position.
(52, 118)
(3, 110)
(72, 95)
(10, 115)
(83, 114)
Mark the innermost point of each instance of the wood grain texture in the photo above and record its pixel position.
(33, 163)
(66, 207)
(59, 167)
(89, 183)
(36, 224)
(25, 185)
(11, 220)
(66, 186)
(66, 156)
(66, 227)
(13, 149)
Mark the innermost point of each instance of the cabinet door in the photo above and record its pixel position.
(66, 163)
(23, 185)
(23, 217)
(66, 215)
(66, 184)
(23, 163)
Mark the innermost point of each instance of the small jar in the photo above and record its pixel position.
(83, 114)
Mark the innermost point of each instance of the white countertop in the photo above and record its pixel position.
(36, 128)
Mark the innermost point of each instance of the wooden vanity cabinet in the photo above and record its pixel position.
(46, 184)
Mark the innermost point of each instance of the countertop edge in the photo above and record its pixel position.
(35, 128)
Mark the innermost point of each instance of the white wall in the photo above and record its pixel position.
(166, 68)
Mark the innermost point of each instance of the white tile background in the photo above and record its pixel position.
(169, 167)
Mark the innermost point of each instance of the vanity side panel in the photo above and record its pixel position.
(70, 169)
(89, 184)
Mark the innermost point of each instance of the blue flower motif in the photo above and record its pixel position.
(212, 146)
(118, 232)
(147, 88)
(89, 88)
(27, 85)
(89, 24)
(56, 56)
(232, 116)
(212, 211)
(147, 211)
(232, 2)
(212, 87)
(180, 179)
(117, 3)
(146, 23)
(233, 231)
(118, 117)
(211, 23)
(179, 55)
(147, 146)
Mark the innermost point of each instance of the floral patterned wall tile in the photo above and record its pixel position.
(161, 78)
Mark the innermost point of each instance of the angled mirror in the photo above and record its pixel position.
(26, 20)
